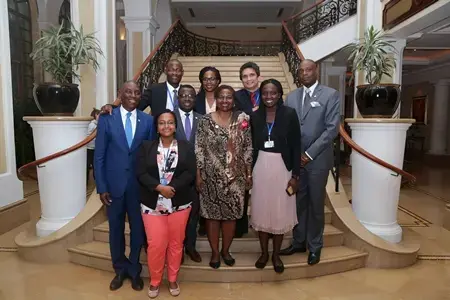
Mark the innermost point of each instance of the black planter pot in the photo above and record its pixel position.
(54, 99)
(377, 101)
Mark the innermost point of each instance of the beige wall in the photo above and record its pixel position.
(248, 33)
(87, 73)
(2, 130)
(137, 52)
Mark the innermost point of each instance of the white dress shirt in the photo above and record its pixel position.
(311, 93)
(170, 96)
(133, 118)
(183, 118)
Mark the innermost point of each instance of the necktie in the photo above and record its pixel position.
(253, 98)
(187, 126)
(175, 99)
(129, 130)
(306, 100)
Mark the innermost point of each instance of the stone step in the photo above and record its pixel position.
(242, 59)
(333, 260)
(248, 243)
(188, 72)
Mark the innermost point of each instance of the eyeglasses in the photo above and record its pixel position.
(189, 96)
(209, 79)
(170, 123)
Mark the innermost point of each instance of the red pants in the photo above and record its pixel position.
(165, 236)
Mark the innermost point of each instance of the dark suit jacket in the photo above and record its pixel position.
(182, 181)
(200, 103)
(243, 101)
(156, 97)
(114, 161)
(285, 133)
(180, 133)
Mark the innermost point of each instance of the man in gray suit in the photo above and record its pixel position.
(318, 110)
(187, 121)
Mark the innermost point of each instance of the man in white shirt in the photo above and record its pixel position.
(318, 110)
(119, 136)
(187, 121)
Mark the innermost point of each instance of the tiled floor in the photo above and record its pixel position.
(420, 214)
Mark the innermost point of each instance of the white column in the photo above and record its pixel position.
(11, 188)
(438, 136)
(397, 75)
(148, 27)
(103, 23)
(376, 189)
(62, 181)
(75, 19)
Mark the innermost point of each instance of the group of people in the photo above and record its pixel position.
(193, 161)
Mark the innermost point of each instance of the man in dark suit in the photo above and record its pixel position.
(318, 110)
(119, 136)
(161, 96)
(247, 100)
(187, 121)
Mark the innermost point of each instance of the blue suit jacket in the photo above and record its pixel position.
(114, 161)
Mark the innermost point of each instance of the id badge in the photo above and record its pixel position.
(268, 144)
(163, 181)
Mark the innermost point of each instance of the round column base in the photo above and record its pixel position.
(45, 227)
(389, 232)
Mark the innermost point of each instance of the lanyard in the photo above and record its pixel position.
(270, 128)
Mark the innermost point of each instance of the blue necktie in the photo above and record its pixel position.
(187, 126)
(129, 130)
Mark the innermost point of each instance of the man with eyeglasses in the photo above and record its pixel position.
(247, 100)
(187, 120)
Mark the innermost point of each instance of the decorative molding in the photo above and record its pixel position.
(140, 24)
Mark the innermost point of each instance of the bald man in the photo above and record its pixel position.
(119, 136)
(161, 96)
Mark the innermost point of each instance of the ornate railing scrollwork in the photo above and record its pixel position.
(185, 43)
(292, 55)
(320, 17)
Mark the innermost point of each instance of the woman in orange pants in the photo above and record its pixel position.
(166, 170)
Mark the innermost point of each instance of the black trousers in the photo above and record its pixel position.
(89, 163)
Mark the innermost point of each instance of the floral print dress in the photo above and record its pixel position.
(223, 155)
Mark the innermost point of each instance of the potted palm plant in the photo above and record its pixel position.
(373, 55)
(61, 50)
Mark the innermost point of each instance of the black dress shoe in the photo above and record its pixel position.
(194, 255)
(117, 282)
(228, 259)
(262, 261)
(137, 283)
(314, 257)
(277, 266)
(291, 250)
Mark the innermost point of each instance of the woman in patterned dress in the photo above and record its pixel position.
(223, 148)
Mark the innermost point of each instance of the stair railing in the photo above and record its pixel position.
(319, 17)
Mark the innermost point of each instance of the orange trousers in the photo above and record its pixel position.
(165, 237)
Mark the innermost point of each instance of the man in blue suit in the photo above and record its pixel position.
(119, 136)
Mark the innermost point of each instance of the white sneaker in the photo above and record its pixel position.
(153, 294)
